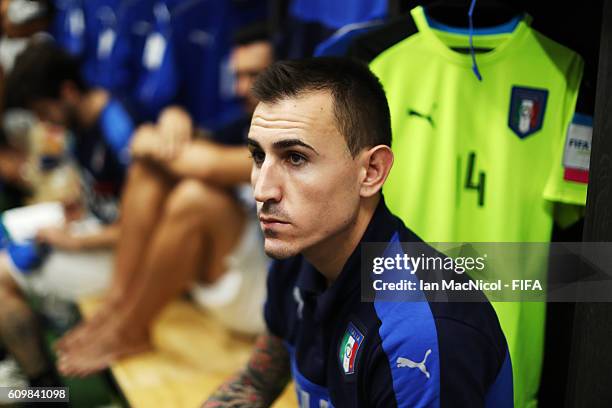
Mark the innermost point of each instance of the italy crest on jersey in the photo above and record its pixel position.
(527, 106)
(349, 347)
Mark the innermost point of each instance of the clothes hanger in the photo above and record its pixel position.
(487, 13)
(462, 13)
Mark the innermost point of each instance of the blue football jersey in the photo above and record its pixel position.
(349, 353)
(115, 32)
(336, 14)
(158, 81)
(314, 21)
(187, 57)
(338, 44)
(68, 26)
(100, 38)
(134, 24)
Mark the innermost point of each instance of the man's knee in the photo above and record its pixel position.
(146, 177)
(194, 197)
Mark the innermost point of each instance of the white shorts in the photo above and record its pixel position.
(238, 297)
(67, 275)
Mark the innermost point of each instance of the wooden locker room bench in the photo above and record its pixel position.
(193, 355)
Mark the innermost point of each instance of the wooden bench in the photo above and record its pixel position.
(193, 355)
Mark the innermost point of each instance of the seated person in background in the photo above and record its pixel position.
(320, 140)
(183, 226)
(47, 81)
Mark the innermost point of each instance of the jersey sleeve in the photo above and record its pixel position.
(117, 128)
(475, 368)
(568, 178)
(465, 371)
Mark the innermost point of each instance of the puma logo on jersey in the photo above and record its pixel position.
(428, 118)
(405, 362)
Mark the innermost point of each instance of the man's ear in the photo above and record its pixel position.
(376, 163)
(69, 92)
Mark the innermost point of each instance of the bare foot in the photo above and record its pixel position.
(86, 330)
(105, 350)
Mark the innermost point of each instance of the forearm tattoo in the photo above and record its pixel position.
(261, 382)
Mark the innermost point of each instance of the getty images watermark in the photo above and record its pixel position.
(459, 265)
(464, 272)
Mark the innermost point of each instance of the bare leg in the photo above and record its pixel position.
(19, 329)
(200, 226)
(141, 208)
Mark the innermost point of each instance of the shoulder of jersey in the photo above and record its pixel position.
(551, 46)
(368, 46)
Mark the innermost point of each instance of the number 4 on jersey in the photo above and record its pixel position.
(470, 184)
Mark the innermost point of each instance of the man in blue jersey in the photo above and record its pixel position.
(320, 141)
(47, 81)
(185, 225)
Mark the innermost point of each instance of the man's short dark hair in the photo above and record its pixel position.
(360, 105)
(38, 73)
(252, 33)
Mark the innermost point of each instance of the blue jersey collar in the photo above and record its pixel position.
(312, 283)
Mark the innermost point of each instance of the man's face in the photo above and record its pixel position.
(305, 181)
(56, 111)
(248, 61)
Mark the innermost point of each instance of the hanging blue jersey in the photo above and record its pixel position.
(113, 43)
(100, 38)
(336, 14)
(349, 353)
(134, 24)
(188, 59)
(313, 21)
(158, 82)
(338, 44)
(68, 26)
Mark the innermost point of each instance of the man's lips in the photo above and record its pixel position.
(270, 222)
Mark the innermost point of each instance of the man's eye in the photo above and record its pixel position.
(258, 157)
(296, 159)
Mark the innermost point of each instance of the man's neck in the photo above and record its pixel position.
(91, 106)
(330, 256)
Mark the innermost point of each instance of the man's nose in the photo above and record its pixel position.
(266, 183)
(243, 86)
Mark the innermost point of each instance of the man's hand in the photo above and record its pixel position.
(261, 382)
(164, 141)
(146, 143)
(176, 129)
(149, 144)
(59, 238)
